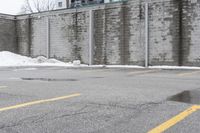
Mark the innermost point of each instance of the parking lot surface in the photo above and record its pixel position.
(85, 100)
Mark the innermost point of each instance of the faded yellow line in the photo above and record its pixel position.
(197, 107)
(166, 125)
(142, 72)
(188, 73)
(38, 102)
(3, 87)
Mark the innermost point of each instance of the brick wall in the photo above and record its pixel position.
(119, 33)
(24, 36)
(164, 33)
(191, 32)
(68, 35)
(7, 33)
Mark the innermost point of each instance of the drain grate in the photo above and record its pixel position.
(192, 97)
(49, 79)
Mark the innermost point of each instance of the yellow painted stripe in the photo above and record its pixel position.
(3, 87)
(142, 72)
(38, 102)
(188, 73)
(197, 107)
(161, 128)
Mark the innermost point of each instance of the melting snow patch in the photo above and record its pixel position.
(77, 62)
(175, 67)
(8, 59)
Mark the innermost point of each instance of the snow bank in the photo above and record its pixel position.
(175, 67)
(150, 67)
(11, 59)
(8, 59)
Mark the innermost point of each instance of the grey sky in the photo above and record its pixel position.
(10, 6)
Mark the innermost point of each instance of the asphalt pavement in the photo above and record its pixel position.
(85, 100)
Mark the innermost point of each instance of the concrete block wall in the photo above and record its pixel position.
(119, 33)
(39, 36)
(99, 53)
(108, 35)
(69, 36)
(24, 36)
(134, 32)
(8, 40)
(164, 32)
(191, 32)
(113, 35)
(60, 38)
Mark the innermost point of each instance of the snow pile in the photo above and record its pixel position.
(11, 59)
(175, 67)
(8, 59)
(77, 62)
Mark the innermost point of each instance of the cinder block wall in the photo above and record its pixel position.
(119, 33)
(190, 32)
(164, 32)
(8, 40)
(68, 34)
(23, 27)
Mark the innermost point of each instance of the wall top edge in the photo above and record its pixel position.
(81, 9)
(7, 16)
(66, 11)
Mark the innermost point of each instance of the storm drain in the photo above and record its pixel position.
(192, 97)
(48, 79)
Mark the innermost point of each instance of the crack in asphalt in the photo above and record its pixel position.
(41, 118)
(115, 105)
(24, 121)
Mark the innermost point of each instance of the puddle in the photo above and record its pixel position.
(49, 79)
(192, 97)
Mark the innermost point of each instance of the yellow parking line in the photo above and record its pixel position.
(3, 87)
(188, 73)
(198, 107)
(141, 72)
(38, 102)
(166, 125)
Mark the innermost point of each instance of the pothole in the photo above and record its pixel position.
(49, 79)
(192, 97)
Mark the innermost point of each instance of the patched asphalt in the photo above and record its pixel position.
(111, 100)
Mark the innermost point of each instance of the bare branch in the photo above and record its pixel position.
(31, 6)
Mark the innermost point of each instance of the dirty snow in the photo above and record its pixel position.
(175, 67)
(8, 59)
(11, 59)
(150, 67)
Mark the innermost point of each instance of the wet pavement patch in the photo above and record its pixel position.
(48, 79)
(192, 97)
